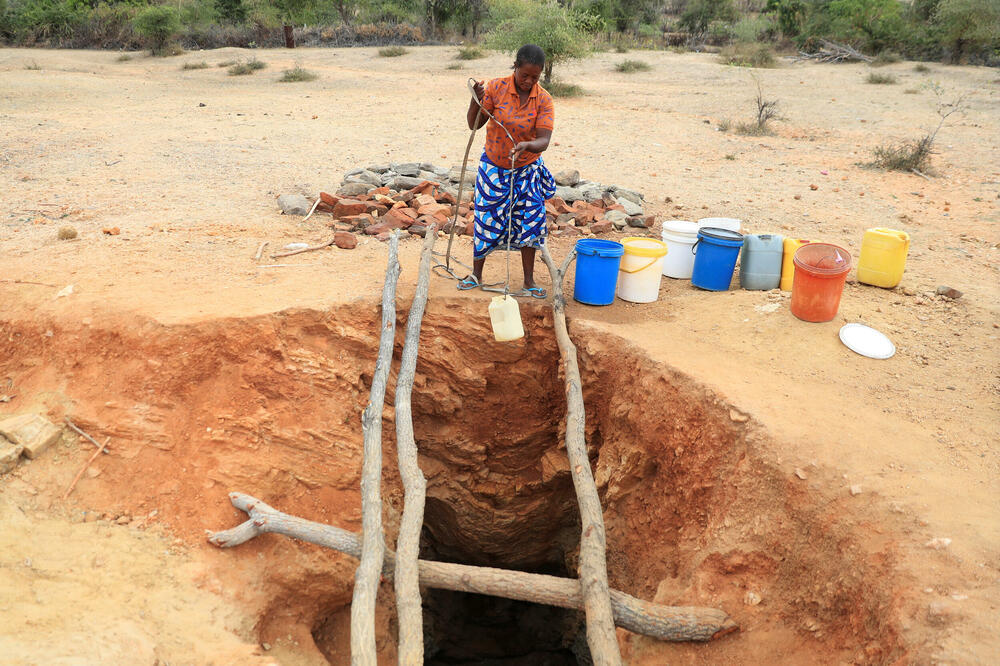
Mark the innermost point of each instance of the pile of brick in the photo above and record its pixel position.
(411, 196)
(27, 435)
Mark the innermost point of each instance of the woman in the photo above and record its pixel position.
(525, 109)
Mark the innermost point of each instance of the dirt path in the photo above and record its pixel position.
(187, 164)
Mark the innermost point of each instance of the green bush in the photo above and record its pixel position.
(629, 66)
(885, 58)
(247, 67)
(790, 15)
(194, 65)
(231, 11)
(699, 14)
(905, 156)
(558, 31)
(755, 29)
(158, 24)
(969, 27)
(471, 52)
(560, 89)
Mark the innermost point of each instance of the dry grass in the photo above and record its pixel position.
(748, 55)
(296, 74)
(195, 65)
(455, 65)
(630, 66)
(392, 52)
(904, 156)
(560, 89)
(921, 68)
(125, 57)
(247, 67)
(881, 79)
(886, 58)
(226, 63)
(471, 52)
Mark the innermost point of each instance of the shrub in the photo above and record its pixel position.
(725, 125)
(790, 14)
(231, 11)
(471, 52)
(296, 74)
(751, 29)
(629, 66)
(245, 68)
(125, 57)
(560, 89)
(561, 33)
(922, 68)
(33, 66)
(226, 63)
(748, 55)
(195, 65)
(455, 65)
(968, 27)
(875, 23)
(885, 58)
(158, 24)
(392, 52)
(905, 156)
(699, 14)
(881, 79)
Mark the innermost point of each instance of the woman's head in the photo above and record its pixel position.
(528, 66)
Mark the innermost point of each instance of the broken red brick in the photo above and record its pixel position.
(559, 204)
(329, 199)
(432, 208)
(345, 240)
(346, 207)
(601, 227)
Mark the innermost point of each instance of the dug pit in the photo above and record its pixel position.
(697, 509)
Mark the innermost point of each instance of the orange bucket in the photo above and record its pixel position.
(820, 272)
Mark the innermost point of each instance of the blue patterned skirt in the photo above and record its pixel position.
(533, 184)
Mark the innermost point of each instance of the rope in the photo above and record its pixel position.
(446, 266)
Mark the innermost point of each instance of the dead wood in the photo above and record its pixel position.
(83, 434)
(260, 250)
(834, 52)
(408, 607)
(91, 459)
(593, 559)
(313, 209)
(373, 540)
(303, 249)
(666, 623)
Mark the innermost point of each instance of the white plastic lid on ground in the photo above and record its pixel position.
(866, 341)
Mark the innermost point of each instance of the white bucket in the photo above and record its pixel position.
(730, 223)
(680, 236)
(640, 270)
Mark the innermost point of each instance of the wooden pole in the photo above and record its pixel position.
(407, 577)
(666, 623)
(366, 580)
(593, 559)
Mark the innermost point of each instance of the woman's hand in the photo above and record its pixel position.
(519, 148)
(480, 90)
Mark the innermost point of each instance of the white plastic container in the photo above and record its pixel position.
(505, 317)
(680, 236)
(641, 269)
(730, 223)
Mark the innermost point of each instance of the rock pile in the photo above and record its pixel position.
(414, 195)
(26, 434)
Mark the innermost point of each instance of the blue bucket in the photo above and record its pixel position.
(597, 270)
(716, 251)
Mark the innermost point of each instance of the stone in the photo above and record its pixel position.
(737, 416)
(631, 208)
(294, 204)
(855, 490)
(591, 191)
(33, 432)
(631, 195)
(948, 292)
(601, 227)
(405, 182)
(568, 177)
(559, 205)
(345, 240)
(353, 189)
(565, 219)
(10, 453)
(431, 176)
(378, 168)
(751, 598)
(417, 229)
(432, 208)
(369, 177)
(938, 543)
(328, 199)
(411, 169)
(617, 218)
(66, 233)
(455, 175)
(637, 221)
(799, 472)
(346, 207)
(569, 194)
(394, 219)
(554, 463)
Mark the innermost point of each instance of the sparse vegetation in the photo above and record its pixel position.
(32, 65)
(621, 48)
(914, 155)
(392, 51)
(195, 65)
(455, 65)
(725, 125)
(748, 55)
(730, 156)
(767, 110)
(297, 74)
(881, 79)
(921, 68)
(226, 63)
(247, 67)
(885, 58)
(470, 52)
(630, 66)
(560, 89)
(158, 25)
(125, 57)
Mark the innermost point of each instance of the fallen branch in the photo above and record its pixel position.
(666, 623)
(40, 284)
(76, 478)
(260, 250)
(924, 176)
(593, 558)
(82, 433)
(303, 249)
(366, 579)
(834, 52)
(408, 607)
(313, 209)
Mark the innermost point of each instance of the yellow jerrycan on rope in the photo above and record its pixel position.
(883, 257)
(505, 316)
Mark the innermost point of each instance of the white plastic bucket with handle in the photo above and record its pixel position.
(730, 223)
(641, 269)
(680, 236)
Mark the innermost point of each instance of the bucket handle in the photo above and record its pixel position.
(651, 262)
(693, 247)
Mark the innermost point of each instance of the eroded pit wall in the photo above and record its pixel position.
(696, 512)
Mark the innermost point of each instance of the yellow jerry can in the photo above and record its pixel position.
(883, 257)
(788, 248)
(505, 317)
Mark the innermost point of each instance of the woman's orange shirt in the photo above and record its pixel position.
(501, 99)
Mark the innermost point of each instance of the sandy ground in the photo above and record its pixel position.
(188, 164)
